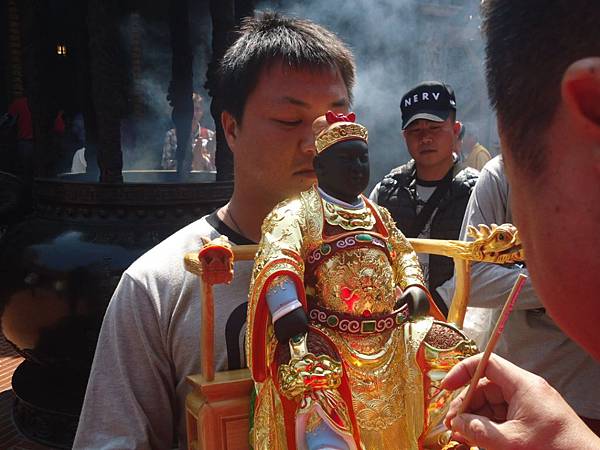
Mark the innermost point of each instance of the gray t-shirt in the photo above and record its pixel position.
(149, 343)
(530, 339)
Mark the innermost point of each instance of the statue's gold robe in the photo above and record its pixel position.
(348, 265)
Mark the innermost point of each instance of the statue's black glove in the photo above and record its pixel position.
(416, 298)
(290, 325)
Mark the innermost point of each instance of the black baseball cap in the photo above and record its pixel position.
(431, 100)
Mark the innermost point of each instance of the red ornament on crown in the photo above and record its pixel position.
(339, 117)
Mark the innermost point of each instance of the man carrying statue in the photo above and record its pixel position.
(344, 343)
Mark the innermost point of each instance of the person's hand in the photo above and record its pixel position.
(513, 409)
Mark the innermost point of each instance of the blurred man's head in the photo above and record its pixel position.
(467, 138)
(430, 128)
(543, 71)
(278, 76)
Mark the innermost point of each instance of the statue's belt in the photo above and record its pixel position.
(347, 323)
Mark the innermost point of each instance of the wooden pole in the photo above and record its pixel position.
(462, 288)
(207, 334)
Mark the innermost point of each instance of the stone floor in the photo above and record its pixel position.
(10, 438)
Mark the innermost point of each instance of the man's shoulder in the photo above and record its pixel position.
(166, 258)
(401, 173)
(479, 148)
(400, 176)
(466, 175)
(494, 167)
(492, 178)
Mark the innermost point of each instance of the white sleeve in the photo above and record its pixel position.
(130, 398)
(491, 283)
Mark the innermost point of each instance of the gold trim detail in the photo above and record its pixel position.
(338, 132)
(346, 218)
(309, 373)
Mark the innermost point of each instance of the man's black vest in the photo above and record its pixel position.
(397, 193)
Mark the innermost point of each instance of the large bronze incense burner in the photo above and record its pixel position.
(66, 239)
(59, 267)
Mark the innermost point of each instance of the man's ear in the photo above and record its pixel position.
(580, 90)
(456, 128)
(230, 128)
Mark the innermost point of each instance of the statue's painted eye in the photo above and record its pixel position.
(501, 237)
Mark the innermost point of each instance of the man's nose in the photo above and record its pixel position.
(426, 137)
(307, 144)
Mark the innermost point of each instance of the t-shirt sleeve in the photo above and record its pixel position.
(374, 195)
(130, 396)
(482, 158)
(491, 283)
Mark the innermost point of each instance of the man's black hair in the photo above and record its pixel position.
(529, 46)
(271, 37)
(452, 117)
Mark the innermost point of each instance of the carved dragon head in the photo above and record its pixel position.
(216, 260)
(499, 244)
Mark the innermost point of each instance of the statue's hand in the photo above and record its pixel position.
(309, 373)
(418, 303)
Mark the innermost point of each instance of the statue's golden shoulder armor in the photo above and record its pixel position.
(445, 345)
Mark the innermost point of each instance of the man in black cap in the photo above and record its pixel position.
(427, 196)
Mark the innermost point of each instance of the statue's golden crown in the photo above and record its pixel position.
(333, 128)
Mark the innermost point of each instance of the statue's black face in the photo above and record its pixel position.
(343, 169)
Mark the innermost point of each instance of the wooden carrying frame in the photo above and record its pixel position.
(217, 409)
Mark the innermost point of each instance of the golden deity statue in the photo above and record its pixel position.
(345, 346)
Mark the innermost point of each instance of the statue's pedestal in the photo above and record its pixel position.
(217, 411)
